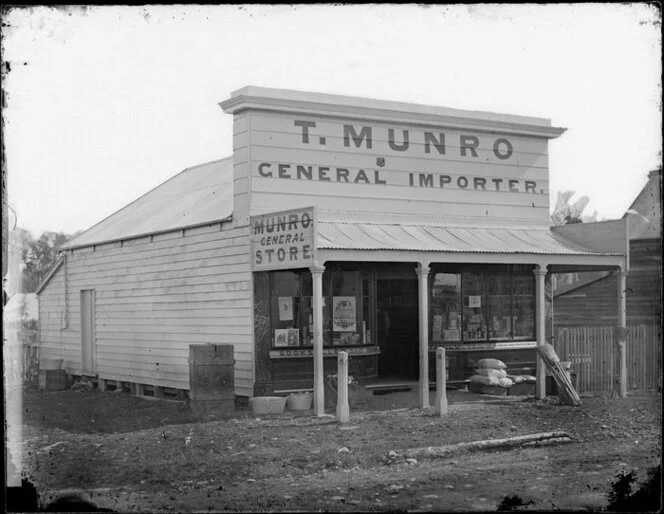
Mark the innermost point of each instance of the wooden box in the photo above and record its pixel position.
(52, 379)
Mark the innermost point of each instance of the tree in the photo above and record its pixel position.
(42, 255)
(566, 213)
(31, 259)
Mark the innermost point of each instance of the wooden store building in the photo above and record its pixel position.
(380, 228)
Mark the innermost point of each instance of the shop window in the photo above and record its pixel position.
(291, 310)
(499, 308)
(344, 305)
(347, 312)
(474, 306)
(446, 307)
(524, 306)
(482, 303)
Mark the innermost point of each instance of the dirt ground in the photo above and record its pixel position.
(132, 454)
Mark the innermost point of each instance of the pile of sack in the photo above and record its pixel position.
(491, 372)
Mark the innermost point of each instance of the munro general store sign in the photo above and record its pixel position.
(283, 240)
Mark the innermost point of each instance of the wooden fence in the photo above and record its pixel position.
(592, 352)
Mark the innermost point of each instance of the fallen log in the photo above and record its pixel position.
(490, 444)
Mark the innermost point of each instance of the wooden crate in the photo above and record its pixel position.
(52, 379)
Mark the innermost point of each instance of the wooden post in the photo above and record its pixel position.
(441, 382)
(540, 301)
(317, 305)
(101, 384)
(343, 412)
(620, 385)
(423, 289)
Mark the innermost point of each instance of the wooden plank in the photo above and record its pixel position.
(200, 277)
(152, 257)
(159, 325)
(371, 204)
(174, 267)
(183, 308)
(224, 287)
(151, 312)
(161, 242)
(403, 192)
(174, 333)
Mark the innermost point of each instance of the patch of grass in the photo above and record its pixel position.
(648, 498)
(512, 503)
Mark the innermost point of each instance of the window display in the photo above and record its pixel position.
(524, 306)
(446, 307)
(482, 303)
(291, 312)
(499, 289)
(474, 324)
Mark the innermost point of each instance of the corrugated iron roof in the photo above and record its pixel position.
(198, 195)
(440, 238)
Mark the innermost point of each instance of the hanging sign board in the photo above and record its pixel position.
(283, 240)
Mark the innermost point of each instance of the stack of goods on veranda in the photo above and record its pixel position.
(491, 377)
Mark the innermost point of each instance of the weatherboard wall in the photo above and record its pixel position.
(155, 296)
(57, 340)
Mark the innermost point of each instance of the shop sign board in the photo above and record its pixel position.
(378, 167)
(327, 352)
(283, 240)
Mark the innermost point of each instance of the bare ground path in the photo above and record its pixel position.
(131, 454)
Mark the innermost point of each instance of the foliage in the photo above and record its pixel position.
(35, 257)
(566, 213)
(512, 503)
(646, 499)
(332, 380)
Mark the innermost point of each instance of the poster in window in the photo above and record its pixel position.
(343, 314)
(437, 327)
(285, 308)
(475, 301)
(287, 337)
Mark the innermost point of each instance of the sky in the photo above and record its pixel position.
(105, 103)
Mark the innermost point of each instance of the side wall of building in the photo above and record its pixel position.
(153, 297)
(597, 302)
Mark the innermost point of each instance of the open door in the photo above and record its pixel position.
(398, 328)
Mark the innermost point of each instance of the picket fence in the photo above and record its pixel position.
(592, 352)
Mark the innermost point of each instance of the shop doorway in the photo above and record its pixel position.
(397, 328)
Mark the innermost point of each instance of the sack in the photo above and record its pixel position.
(490, 363)
(488, 372)
(517, 379)
(488, 381)
(505, 382)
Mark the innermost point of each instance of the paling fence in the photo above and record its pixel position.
(592, 352)
(23, 340)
